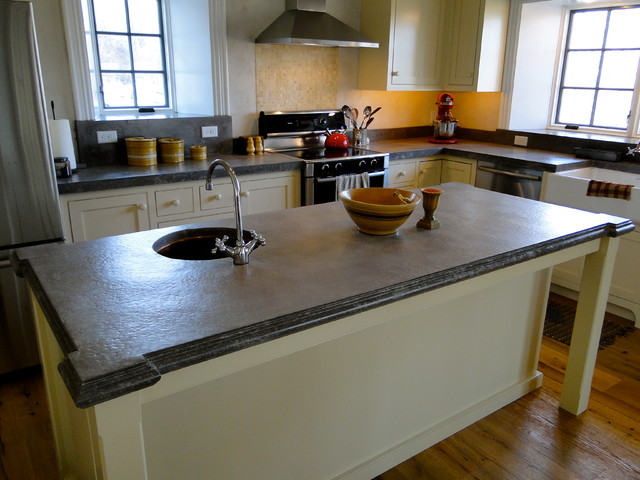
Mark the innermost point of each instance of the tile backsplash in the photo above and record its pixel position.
(92, 153)
(291, 78)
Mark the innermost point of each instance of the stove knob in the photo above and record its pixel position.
(374, 162)
(325, 169)
(362, 164)
(338, 167)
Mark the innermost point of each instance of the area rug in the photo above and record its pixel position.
(558, 325)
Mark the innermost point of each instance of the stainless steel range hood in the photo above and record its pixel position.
(305, 22)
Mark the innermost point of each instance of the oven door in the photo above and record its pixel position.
(323, 189)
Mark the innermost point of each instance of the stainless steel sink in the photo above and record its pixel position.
(197, 243)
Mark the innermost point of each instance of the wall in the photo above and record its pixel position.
(245, 20)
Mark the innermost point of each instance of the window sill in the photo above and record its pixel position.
(578, 135)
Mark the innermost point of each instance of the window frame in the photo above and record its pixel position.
(84, 95)
(167, 70)
(633, 126)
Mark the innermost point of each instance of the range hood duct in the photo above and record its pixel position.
(305, 22)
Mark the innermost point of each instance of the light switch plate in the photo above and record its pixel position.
(210, 131)
(107, 136)
(521, 140)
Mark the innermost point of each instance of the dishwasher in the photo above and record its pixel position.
(519, 181)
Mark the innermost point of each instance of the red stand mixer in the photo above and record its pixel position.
(444, 125)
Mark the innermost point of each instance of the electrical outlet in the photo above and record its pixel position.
(210, 131)
(521, 140)
(108, 136)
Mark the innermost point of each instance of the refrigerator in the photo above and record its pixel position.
(29, 203)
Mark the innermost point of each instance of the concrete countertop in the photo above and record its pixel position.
(122, 176)
(535, 159)
(125, 315)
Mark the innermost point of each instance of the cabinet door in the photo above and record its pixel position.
(402, 174)
(103, 217)
(464, 47)
(429, 173)
(418, 42)
(456, 172)
(267, 195)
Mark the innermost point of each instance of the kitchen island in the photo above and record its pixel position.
(332, 354)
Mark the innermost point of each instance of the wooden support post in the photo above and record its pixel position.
(592, 302)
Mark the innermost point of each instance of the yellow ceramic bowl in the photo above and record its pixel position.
(379, 211)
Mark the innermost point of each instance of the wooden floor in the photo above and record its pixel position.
(529, 439)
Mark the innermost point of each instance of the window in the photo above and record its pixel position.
(131, 60)
(597, 87)
(197, 76)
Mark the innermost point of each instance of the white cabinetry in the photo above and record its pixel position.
(433, 44)
(91, 218)
(91, 215)
(429, 171)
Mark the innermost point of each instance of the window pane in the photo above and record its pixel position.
(575, 106)
(143, 16)
(117, 89)
(150, 89)
(612, 109)
(619, 69)
(582, 69)
(110, 15)
(114, 52)
(623, 28)
(587, 29)
(147, 54)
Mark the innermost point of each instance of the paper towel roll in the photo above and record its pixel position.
(61, 141)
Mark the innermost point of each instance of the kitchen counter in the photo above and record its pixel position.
(130, 330)
(508, 155)
(183, 312)
(122, 176)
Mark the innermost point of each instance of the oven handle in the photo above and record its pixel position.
(333, 179)
(510, 174)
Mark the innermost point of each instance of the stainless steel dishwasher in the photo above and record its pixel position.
(518, 181)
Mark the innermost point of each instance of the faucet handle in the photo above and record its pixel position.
(220, 244)
(257, 237)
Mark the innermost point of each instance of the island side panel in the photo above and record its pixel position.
(358, 404)
(77, 445)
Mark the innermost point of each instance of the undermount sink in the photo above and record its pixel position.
(196, 243)
(569, 188)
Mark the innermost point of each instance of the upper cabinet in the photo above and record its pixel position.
(433, 44)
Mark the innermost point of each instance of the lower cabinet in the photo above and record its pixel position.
(428, 171)
(91, 215)
(93, 218)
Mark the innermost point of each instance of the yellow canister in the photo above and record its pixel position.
(198, 152)
(171, 150)
(141, 151)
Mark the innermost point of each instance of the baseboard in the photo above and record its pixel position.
(412, 446)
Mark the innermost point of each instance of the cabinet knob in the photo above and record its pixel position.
(175, 202)
(395, 74)
(244, 194)
(217, 196)
(142, 206)
(402, 173)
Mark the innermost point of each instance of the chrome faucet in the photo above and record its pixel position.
(239, 253)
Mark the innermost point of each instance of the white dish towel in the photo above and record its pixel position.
(355, 180)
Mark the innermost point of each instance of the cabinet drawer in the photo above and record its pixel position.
(173, 202)
(402, 173)
(220, 197)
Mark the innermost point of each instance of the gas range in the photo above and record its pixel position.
(302, 135)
